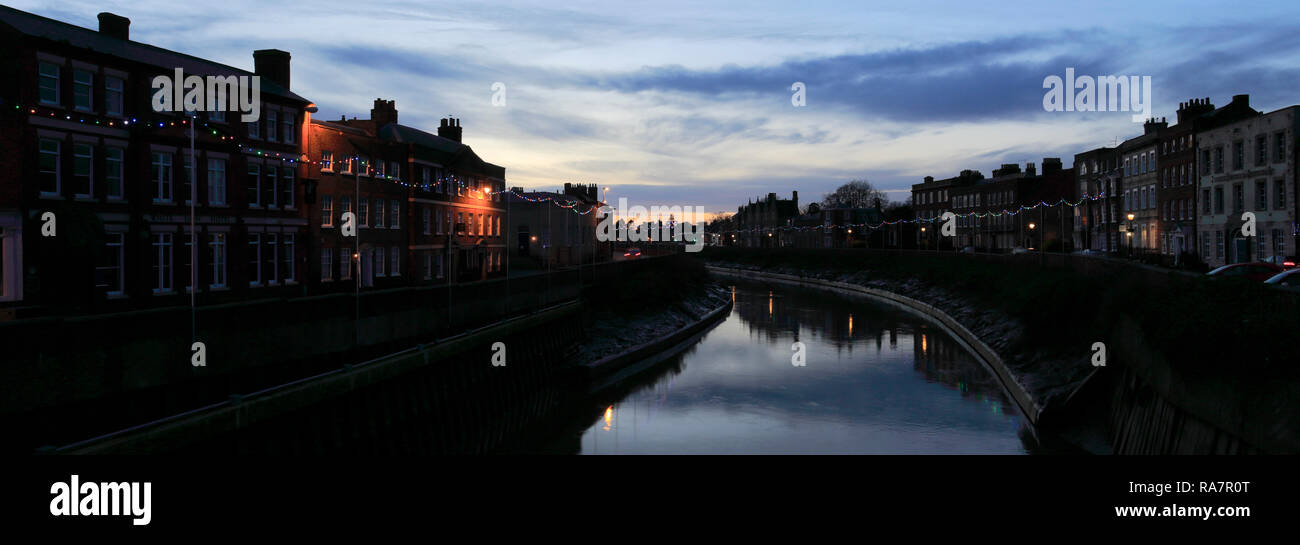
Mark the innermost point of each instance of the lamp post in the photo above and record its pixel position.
(924, 240)
(1129, 234)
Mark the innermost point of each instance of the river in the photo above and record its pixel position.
(873, 379)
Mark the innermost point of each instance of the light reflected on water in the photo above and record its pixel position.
(876, 380)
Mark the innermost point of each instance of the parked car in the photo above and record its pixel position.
(1285, 262)
(632, 252)
(1257, 272)
(1019, 250)
(1289, 279)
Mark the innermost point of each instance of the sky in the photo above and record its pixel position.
(690, 103)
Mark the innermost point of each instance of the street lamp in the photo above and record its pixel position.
(1129, 233)
(1032, 226)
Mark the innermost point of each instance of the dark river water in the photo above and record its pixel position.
(874, 379)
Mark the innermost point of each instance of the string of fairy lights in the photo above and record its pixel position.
(975, 214)
(221, 131)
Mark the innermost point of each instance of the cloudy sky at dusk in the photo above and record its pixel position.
(682, 103)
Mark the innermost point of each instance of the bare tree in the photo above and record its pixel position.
(855, 194)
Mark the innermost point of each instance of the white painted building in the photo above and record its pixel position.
(1248, 166)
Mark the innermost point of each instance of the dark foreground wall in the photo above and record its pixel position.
(68, 379)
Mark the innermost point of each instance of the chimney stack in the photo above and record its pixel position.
(273, 65)
(450, 129)
(384, 112)
(115, 26)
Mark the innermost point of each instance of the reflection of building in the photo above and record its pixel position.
(1248, 166)
(550, 227)
(81, 141)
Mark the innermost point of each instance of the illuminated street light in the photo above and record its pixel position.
(1131, 216)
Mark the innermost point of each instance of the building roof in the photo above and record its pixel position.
(450, 152)
(30, 24)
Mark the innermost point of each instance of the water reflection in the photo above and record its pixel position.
(876, 380)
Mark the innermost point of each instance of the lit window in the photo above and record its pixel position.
(326, 211)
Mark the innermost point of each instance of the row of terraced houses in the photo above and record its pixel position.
(1174, 194)
(98, 212)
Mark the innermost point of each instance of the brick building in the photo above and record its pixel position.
(760, 224)
(1096, 222)
(84, 143)
(931, 198)
(553, 235)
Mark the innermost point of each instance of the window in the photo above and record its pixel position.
(379, 212)
(268, 189)
(186, 178)
(287, 127)
(426, 218)
(1218, 200)
(379, 169)
(49, 83)
(217, 257)
(326, 264)
(83, 156)
(1279, 244)
(460, 223)
(1205, 244)
(347, 165)
(1218, 160)
(272, 119)
(188, 259)
(113, 95)
(428, 265)
(438, 220)
(363, 212)
(1279, 147)
(254, 129)
(254, 188)
(1238, 155)
(1261, 150)
(379, 261)
(345, 206)
(271, 258)
(1205, 161)
(254, 259)
(1218, 243)
(286, 258)
(440, 265)
(108, 273)
(162, 262)
(217, 181)
(326, 211)
(424, 178)
(363, 166)
(394, 262)
(1205, 201)
(395, 170)
(345, 263)
(162, 177)
(1261, 195)
(286, 187)
(83, 81)
(1238, 199)
(394, 213)
(1279, 194)
(327, 161)
(49, 166)
(113, 172)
